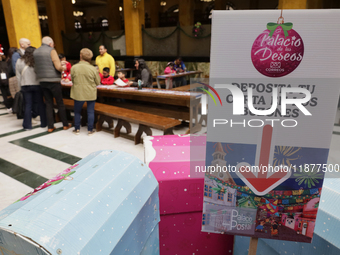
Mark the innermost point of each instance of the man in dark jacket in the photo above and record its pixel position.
(24, 44)
(48, 69)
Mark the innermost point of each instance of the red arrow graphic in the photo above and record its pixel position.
(261, 182)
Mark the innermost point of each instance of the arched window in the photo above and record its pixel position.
(229, 6)
(105, 22)
(174, 8)
(169, 17)
(77, 24)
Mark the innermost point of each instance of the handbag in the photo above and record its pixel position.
(14, 85)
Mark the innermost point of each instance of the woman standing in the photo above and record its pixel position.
(85, 79)
(143, 74)
(30, 88)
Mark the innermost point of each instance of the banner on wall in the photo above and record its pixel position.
(275, 79)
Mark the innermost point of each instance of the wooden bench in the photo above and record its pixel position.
(69, 105)
(146, 121)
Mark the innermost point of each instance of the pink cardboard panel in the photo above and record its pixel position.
(178, 196)
(169, 159)
(162, 152)
(181, 234)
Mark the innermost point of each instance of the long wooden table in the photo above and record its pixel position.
(174, 104)
(167, 77)
(188, 87)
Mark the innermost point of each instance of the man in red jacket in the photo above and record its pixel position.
(106, 79)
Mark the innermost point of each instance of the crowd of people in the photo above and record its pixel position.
(38, 73)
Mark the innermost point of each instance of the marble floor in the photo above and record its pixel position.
(29, 158)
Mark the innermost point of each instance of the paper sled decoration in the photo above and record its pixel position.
(107, 203)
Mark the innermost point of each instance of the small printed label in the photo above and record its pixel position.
(229, 220)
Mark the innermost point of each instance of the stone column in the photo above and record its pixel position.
(68, 15)
(314, 4)
(292, 4)
(155, 6)
(186, 12)
(113, 15)
(134, 18)
(22, 21)
(56, 22)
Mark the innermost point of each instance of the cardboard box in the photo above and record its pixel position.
(107, 203)
(151, 246)
(169, 159)
(180, 233)
(181, 197)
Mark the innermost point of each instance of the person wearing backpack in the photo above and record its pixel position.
(30, 88)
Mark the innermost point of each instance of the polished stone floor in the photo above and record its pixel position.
(28, 158)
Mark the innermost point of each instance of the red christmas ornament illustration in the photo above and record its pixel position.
(278, 50)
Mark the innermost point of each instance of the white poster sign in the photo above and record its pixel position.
(277, 75)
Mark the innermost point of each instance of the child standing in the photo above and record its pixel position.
(100, 75)
(169, 70)
(107, 79)
(66, 75)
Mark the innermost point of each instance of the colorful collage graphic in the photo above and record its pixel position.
(288, 212)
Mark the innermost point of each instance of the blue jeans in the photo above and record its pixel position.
(33, 94)
(78, 105)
